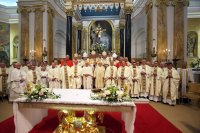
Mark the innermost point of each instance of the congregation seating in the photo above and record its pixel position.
(193, 93)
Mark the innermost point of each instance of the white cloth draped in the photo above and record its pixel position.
(25, 121)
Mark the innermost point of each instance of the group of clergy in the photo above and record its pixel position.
(158, 82)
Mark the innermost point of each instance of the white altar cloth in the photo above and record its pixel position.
(26, 118)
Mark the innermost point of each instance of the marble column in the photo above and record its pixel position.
(69, 14)
(121, 40)
(79, 37)
(128, 10)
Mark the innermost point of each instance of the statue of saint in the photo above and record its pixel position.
(15, 46)
(191, 45)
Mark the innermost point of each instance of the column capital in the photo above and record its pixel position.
(148, 6)
(49, 10)
(69, 12)
(128, 10)
(185, 2)
(79, 25)
(159, 2)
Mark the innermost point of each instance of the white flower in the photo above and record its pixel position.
(107, 92)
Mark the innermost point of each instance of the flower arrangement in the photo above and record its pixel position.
(112, 94)
(39, 93)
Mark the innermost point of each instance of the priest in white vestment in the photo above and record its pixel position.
(123, 75)
(65, 76)
(99, 73)
(135, 80)
(171, 84)
(115, 59)
(32, 76)
(3, 79)
(156, 80)
(76, 75)
(105, 60)
(43, 76)
(111, 75)
(85, 59)
(87, 76)
(186, 76)
(54, 76)
(145, 79)
(17, 82)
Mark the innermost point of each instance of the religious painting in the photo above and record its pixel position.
(192, 44)
(100, 36)
(5, 43)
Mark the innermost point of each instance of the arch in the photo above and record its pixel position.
(140, 43)
(59, 44)
(90, 25)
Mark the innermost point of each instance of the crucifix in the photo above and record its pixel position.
(98, 31)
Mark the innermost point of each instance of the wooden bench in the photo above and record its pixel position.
(193, 92)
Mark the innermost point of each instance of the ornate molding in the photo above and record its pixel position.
(148, 6)
(69, 12)
(185, 2)
(30, 8)
(128, 10)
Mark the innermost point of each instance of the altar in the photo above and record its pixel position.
(28, 114)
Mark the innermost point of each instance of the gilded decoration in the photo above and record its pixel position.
(70, 123)
(69, 12)
(128, 10)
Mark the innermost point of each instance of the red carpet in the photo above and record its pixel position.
(147, 120)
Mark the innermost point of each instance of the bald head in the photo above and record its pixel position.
(76, 62)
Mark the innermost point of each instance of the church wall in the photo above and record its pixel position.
(13, 34)
(59, 37)
(194, 25)
(138, 35)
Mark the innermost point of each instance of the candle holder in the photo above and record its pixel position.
(175, 60)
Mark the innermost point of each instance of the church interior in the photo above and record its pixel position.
(99, 66)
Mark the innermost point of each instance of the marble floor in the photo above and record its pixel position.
(185, 118)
